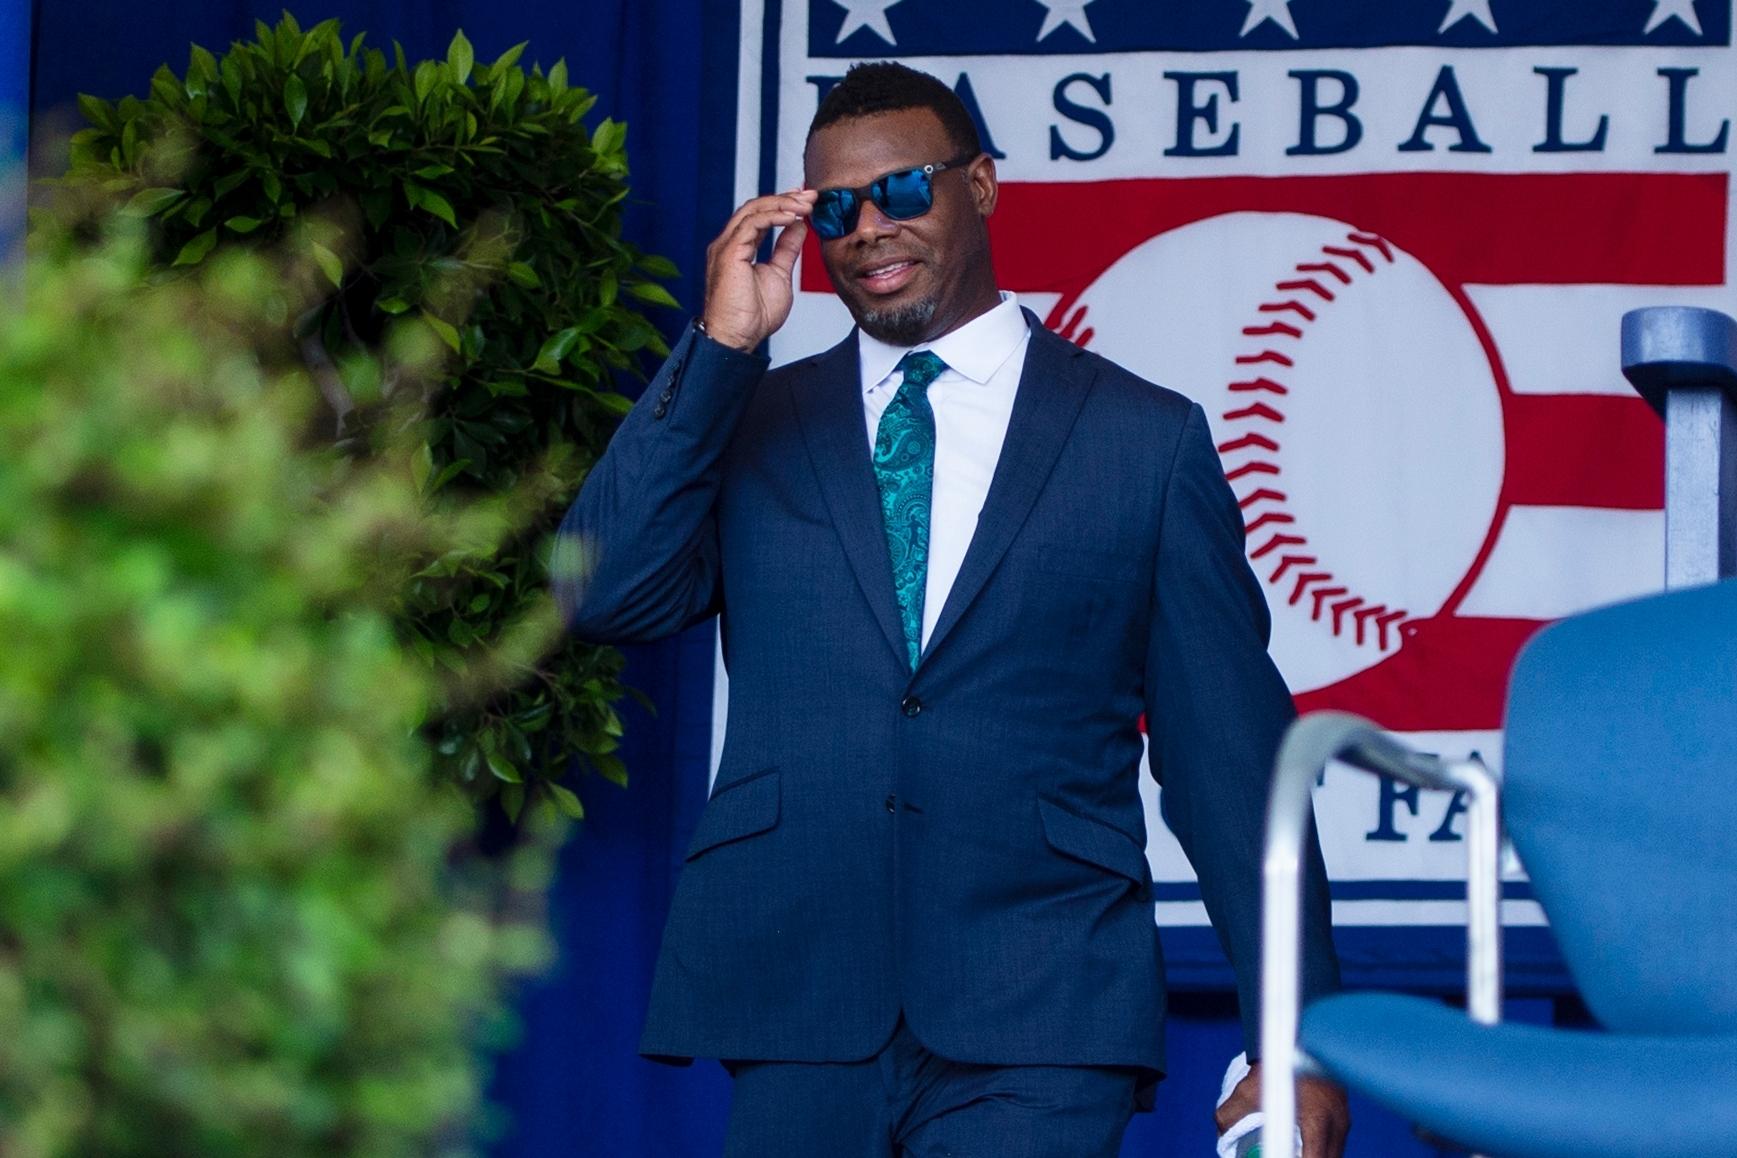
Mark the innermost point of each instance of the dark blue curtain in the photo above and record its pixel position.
(573, 1084)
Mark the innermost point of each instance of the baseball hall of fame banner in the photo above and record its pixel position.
(1386, 245)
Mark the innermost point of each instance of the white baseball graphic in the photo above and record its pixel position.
(1361, 434)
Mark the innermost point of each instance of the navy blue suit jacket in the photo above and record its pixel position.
(964, 843)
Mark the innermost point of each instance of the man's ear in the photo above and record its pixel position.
(984, 186)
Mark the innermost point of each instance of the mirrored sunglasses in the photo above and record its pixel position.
(901, 195)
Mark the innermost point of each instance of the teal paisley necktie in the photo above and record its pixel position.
(905, 472)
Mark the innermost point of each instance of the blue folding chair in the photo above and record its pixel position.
(1619, 792)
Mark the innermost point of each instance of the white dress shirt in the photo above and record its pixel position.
(972, 400)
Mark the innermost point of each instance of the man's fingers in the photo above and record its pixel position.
(759, 206)
(788, 245)
(744, 238)
(1322, 1138)
(1324, 1116)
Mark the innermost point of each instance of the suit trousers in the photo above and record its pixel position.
(905, 1102)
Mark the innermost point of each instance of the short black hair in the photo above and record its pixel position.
(885, 86)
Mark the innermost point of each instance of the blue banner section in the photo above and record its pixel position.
(1434, 961)
(1366, 890)
(873, 28)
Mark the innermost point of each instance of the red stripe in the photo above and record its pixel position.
(1451, 674)
(1583, 450)
(1488, 228)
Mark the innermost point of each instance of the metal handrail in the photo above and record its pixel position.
(1309, 746)
(1683, 361)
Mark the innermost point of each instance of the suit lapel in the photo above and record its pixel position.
(1052, 387)
(828, 401)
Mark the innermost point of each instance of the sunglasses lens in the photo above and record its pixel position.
(901, 196)
(834, 213)
(904, 195)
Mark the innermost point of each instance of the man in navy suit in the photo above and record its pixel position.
(956, 558)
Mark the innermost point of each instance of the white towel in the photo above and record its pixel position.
(1248, 1123)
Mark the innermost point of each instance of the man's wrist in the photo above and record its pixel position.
(705, 331)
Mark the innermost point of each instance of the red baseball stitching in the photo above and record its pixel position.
(1253, 454)
(1311, 280)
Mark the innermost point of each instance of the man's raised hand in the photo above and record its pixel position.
(747, 300)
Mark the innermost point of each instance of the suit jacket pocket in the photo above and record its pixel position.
(1094, 842)
(742, 808)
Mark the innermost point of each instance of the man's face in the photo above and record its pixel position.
(907, 281)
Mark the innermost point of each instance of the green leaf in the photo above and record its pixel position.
(647, 291)
(513, 801)
(392, 305)
(201, 63)
(565, 800)
(523, 274)
(450, 472)
(611, 769)
(460, 56)
(555, 349)
(229, 183)
(430, 201)
(504, 770)
(508, 58)
(421, 466)
(618, 403)
(447, 332)
(558, 76)
(243, 224)
(97, 111)
(423, 83)
(439, 206)
(377, 204)
(295, 99)
(148, 202)
(194, 251)
(330, 263)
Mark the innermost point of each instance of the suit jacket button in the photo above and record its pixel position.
(659, 410)
(911, 706)
(892, 802)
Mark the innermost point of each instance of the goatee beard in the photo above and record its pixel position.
(900, 325)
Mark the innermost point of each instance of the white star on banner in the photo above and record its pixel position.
(1070, 12)
(1278, 11)
(869, 14)
(1458, 10)
(1683, 10)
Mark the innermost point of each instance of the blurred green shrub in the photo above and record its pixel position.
(231, 920)
(473, 198)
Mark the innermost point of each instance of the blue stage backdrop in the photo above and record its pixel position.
(1509, 204)
(14, 118)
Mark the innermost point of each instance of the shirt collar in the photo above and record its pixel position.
(976, 350)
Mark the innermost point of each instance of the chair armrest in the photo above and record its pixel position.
(1309, 746)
